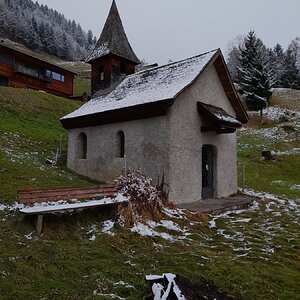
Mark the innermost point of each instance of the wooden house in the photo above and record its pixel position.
(23, 68)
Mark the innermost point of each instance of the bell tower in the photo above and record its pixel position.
(113, 58)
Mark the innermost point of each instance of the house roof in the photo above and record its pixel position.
(154, 86)
(219, 117)
(6, 43)
(113, 39)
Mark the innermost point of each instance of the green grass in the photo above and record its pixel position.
(81, 85)
(254, 259)
(280, 176)
(30, 133)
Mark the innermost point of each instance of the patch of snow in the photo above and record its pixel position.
(265, 195)
(4, 273)
(276, 112)
(111, 296)
(146, 230)
(227, 118)
(53, 206)
(268, 250)
(98, 52)
(120, 198)
(245, 220)
(170, 225)
(92, 238)
(128, 262)
(122, 283)
(212, 224)
(29, 236)
(107, 226)
(294, 151)
(174, 213)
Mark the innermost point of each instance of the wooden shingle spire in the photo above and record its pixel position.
(113, 39)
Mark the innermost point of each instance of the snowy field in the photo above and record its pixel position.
(265, 232)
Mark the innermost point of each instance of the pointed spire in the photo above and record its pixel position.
(113, 39)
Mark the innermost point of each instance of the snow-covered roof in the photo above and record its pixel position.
(113, 39)
(219, 115)
(4, 42)
(157, 84)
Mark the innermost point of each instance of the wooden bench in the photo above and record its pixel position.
(93, 196)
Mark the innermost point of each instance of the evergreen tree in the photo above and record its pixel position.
(276, 57)
(294, 47)
(90, 37)
(290, 77)
(39, 28)
(233, 63)
(253, 74)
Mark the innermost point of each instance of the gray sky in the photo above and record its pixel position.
(159, 30)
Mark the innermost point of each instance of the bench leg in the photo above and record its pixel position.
(39, 224)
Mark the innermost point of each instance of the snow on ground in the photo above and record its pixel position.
(122, 283)
(15, 206)
(107, 226)
(148, 229)
(253, 231)
(13, 149)
(277, 133)
(107, 296)
(287, 128)
(294, 151)
(277, 113)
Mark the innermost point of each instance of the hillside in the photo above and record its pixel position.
(279, 134)
(249, 253)
(30, 133)
(43, 29)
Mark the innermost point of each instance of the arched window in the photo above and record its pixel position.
(121, 144)
(101, 73)
(82, 146)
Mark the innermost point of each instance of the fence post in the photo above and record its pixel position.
(243, 177)
(60, 145)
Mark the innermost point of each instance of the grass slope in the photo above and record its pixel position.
(30, 133)
(252, 253)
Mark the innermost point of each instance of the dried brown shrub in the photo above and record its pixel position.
(145, 201)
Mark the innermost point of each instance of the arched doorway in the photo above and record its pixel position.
(81, 146)
(207, 172)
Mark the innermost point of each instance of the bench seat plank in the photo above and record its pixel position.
(69, 188)
(80, 205)
(43, 195)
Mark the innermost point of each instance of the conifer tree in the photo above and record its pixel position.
(252, 73)
(290, 77)
(276, 58)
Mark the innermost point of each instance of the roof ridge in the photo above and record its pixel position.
(176, 62)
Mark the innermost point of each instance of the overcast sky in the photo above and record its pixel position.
(159, 30)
